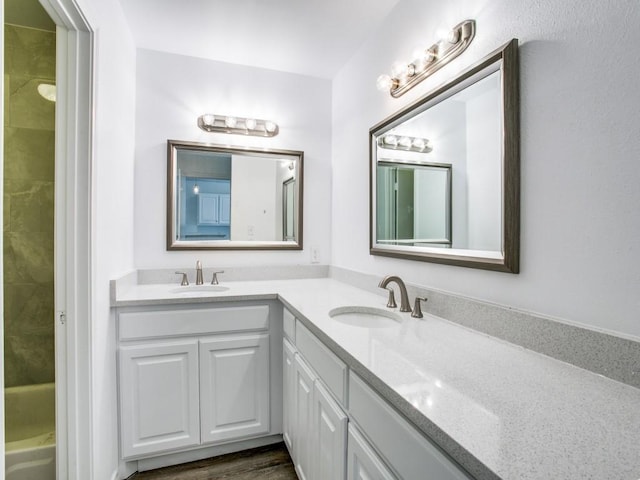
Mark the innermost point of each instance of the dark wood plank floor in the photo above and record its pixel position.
(271, 462)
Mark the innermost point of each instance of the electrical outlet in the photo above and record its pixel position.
(315, 255)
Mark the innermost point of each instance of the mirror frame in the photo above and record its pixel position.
(173, 145)
(510, 259)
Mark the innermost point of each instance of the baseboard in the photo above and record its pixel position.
(202, 453)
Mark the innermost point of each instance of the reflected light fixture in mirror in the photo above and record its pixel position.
(238, 125)
(409, 144)
(404, 76)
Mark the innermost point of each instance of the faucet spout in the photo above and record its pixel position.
(199, 278)
(404, 297)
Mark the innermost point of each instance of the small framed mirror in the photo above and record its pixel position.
(221, 197)
(445, 172)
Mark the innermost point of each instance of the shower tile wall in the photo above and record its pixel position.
(28, 207)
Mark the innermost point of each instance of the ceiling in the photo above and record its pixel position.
(309, 37)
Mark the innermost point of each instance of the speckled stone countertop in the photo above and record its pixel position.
(499, 410)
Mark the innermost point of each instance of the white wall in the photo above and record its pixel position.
(112, 215)
(580, 256)
(173, 91)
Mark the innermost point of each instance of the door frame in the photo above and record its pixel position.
(72, 238)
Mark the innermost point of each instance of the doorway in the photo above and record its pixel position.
(69, 240)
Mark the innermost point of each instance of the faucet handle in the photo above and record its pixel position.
(185, 280)
(214, 279)
(417, 311)
(392, 298)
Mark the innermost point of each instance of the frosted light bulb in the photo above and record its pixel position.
(383, 82)
(418, 143)
(230, 122)
(250, 123)
(405, 142)
(196, 189)
(398, 69)
(391, 140)
(270, 126)
(453, 36)
(208, 119)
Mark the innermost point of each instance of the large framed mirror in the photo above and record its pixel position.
(221, 197)
(445, 171)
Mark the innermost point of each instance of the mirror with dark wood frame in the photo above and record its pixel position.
(221, 197)
(445, 171)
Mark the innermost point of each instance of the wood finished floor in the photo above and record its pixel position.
(271, 462)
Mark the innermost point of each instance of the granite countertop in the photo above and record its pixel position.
(499, 410)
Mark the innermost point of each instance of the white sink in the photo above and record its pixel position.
(198, 289)
(367, 317)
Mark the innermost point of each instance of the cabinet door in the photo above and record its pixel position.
(288, 395)
(224, 209)
(330, 432)
(303, 437)
(363, 463)
(208, 209)
(234, 387)
(158, 397)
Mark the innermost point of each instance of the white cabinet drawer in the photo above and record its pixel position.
(330, 368)
(409, 453)
(166, 323)
(289, 325)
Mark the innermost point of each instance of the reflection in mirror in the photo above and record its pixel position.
(445, 172)
(414, 204)
(233, 198)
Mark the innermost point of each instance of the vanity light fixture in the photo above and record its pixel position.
(405, 76)
(404, 142)
(237, 125)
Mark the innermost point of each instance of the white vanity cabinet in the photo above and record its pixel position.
(369, 442)
(315, 424)
(194, 376)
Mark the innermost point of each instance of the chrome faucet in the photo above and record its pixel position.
(404, 297)
(199, 278)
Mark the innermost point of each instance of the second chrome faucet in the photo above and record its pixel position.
(404, 296)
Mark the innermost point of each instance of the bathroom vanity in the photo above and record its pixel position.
(265, 361)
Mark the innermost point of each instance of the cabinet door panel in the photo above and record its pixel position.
(234, 387)
(330, 429)
(159, 397)
(303, 437)
(288, 395)
(363, 463)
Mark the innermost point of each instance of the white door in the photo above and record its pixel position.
(159, 397)
(330, 436)
(288, 395)
(303, 434)
(363, 463)
(234, 386)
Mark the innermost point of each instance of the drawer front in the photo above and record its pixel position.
(289, 325)
(166, 323)
(409, 453)
(330, 368)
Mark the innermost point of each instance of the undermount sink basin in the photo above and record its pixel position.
(368, 317)
(199, 289)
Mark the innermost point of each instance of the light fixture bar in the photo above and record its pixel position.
(405, 143)
(430, 60)
(238, 125)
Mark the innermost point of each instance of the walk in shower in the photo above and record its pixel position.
(28, 196)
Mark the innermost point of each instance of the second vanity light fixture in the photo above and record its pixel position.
(238, 125)
(405, 76)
